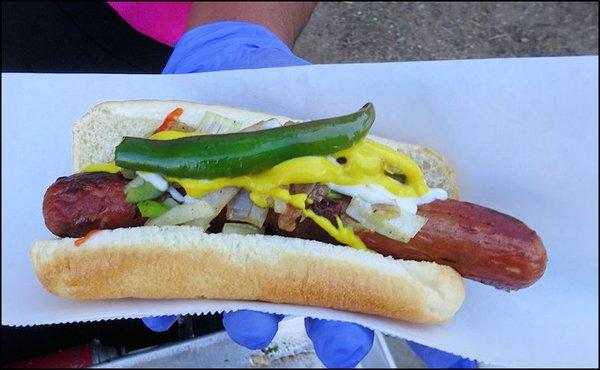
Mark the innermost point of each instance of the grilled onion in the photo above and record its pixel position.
(183, 213)
(263, 125)
(213, 123)
(243, 229)
(401, 228)
(241, 208)
(217, 200)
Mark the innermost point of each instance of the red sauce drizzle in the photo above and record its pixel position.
(83, 239)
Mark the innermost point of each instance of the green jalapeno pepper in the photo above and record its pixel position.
(242, 153)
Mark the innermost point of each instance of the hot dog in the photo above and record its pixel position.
(478, 242)
(431, 238)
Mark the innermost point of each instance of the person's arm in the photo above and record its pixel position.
(285, 19)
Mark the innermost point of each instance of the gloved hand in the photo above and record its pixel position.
(229, 45)
(239, 45)
(336, 343)
(436, 359)
(159, 323)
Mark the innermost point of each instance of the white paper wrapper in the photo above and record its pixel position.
(522, 134)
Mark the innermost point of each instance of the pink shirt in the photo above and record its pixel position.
(162, 20)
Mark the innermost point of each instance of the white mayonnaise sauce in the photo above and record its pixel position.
(175, 194)
(155, 179)
(377, 194)
(179, 197)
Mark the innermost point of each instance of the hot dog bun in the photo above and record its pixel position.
(184, 262)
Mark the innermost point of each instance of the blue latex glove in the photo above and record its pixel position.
(437, 359)
(159, 323)
(239, 45)
(229, 45)
(336, 343)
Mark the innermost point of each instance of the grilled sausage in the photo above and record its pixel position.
(478, 242)
(77, 204)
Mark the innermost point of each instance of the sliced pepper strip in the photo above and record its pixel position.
(170, 119)
(151, 208)
(242, 153)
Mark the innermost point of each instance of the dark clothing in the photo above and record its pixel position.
(75, 37)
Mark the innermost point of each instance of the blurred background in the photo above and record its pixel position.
(351, 31)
